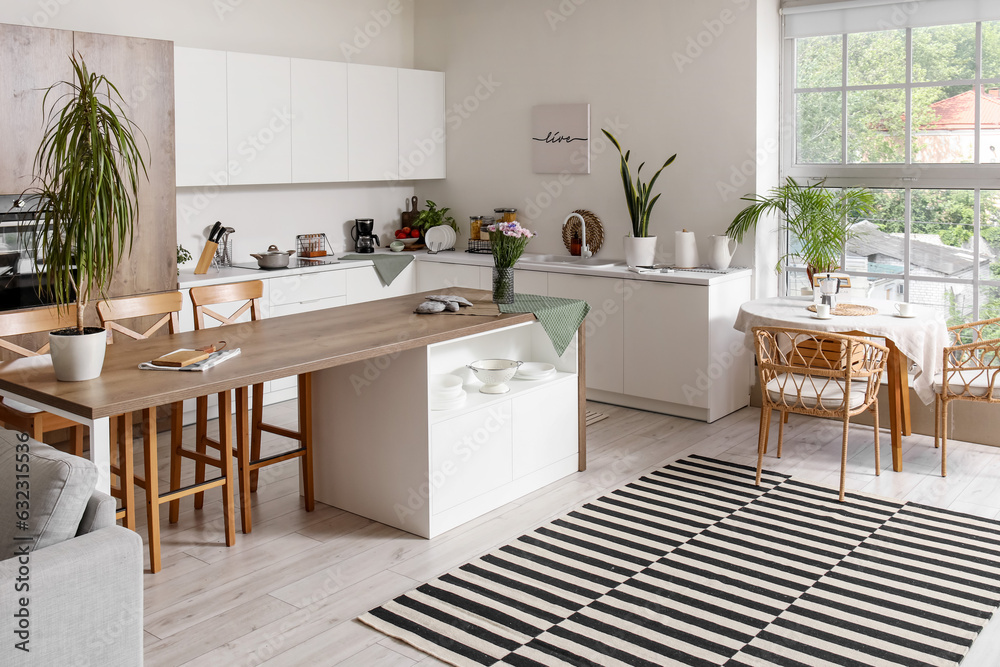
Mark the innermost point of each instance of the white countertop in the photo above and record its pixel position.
(528, 262)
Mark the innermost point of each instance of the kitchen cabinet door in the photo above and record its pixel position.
(200, 117)
(421, 124)
(440, 276)
(605, 331)
(319, 121)
(260, 119)
(667, 342)
(373, 119)
(363, 284)
(470, 455)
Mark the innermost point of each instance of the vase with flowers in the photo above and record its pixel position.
(508, 240)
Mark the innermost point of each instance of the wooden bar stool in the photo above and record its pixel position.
(249, 461)
(166, 307)
(15, 415)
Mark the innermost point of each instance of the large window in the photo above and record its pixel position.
(912, 112)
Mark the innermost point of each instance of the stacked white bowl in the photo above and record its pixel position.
(445, 392)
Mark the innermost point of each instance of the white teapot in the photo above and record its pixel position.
(720, 252)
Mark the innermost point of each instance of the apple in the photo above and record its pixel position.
(415, 234)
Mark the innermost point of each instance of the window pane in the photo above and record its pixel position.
(875, 58)
(954, 302)
(879, 241)
(941, 233)
(818, 128)
(819, 62)
(944, 124)
(797, 280)
(944, 53)
(989, 151)
(991, 49)
(989, 308)
(876, 126)
(989, 231)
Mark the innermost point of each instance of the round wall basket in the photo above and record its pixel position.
(595, 230)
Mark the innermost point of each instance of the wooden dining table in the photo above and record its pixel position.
(270, 349)
(917, 341)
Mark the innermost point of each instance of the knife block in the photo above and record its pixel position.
(205, 260)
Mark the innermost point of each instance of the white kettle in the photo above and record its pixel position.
(720, 252)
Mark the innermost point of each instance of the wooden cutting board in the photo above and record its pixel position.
(180, 358)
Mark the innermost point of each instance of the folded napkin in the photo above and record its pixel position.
(386, 266)
(559, 317)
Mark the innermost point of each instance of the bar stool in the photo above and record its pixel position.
(165, 305)
(249, 461)
(22, 417)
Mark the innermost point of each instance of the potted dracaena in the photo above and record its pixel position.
(817, 219)
(640, 247)
(85, 189)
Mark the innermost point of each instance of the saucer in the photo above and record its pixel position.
(906, 317)
(817, 317)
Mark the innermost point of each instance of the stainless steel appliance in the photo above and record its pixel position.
(364, 240)
(20, 285)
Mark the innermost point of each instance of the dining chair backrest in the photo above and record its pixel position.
(791, 361)
(165, 304)
(36, 320)
(971, 364)
(249, 292)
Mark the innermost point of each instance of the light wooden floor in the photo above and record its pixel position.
(287, 593)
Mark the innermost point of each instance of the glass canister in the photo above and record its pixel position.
(487, 221)
(505, 214)
(475, 226)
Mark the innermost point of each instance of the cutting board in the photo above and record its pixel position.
(180, 358)
(409, 217)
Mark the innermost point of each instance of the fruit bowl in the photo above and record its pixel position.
(407, 241)
(494, 374)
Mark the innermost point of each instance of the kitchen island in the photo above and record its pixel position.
(373, 433)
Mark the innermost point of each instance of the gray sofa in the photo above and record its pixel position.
(76, 596)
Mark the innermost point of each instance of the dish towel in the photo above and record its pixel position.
(559, 317)
(386, 266)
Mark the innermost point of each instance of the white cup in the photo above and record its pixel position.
(823, 310)
(904, 309)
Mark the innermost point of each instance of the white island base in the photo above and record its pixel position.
(382, 453)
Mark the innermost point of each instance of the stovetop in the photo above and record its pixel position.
(293, 263)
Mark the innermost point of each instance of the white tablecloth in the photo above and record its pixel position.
(922, 339)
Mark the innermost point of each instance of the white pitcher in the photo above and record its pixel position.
(720, 251)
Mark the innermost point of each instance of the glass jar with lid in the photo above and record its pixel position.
(505, 214)
(475, 226)
(487, 222)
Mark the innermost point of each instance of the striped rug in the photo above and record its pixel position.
(694, 565)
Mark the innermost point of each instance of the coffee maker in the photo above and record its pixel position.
(364, 240)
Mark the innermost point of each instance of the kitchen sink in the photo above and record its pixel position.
(570, 260)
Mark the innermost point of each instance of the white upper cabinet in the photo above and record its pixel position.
(421, 124)
(373, 120)
(260, 119)
(200, 116)
(319, 121)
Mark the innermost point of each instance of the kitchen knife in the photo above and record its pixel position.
(216, 232)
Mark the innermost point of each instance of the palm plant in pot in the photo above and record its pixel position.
(817, 219)
(640, 247)
(86, 181)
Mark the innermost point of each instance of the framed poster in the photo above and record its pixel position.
(560, 139)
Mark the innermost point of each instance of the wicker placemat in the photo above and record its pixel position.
(595, 230)
(850, 310)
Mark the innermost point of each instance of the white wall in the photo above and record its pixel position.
(374, 32)
(676, 76)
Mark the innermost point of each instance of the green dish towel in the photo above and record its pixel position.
(559, 317)
(386, 266)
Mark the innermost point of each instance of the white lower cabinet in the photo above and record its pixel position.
(471, 455)
(605, 330)
(363, 284)
(441, 276)
(541, 417)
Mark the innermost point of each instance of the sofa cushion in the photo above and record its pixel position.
(59, 487)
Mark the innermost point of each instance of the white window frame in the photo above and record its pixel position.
(907, 176)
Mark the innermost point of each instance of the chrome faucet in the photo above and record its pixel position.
(584, 250)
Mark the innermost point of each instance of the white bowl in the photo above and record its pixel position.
(450, 403)
(445, 383)
(407, 241)
(535, 370)
(494, 374)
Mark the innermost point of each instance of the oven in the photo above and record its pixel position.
(20, 284)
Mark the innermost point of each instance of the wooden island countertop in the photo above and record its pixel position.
(270, 349)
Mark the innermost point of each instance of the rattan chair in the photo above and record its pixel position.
(248, 437)
(969, 373)
(17, 415)
(165, 307)
(819, 374)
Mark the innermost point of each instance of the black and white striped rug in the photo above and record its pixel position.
(694, 565)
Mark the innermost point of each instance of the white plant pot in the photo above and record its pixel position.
(640, 250)
(76, 358)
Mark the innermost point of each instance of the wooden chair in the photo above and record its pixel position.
(819, 374)
(969, 373)
(16, 415)
(247, 451)
(166, 306)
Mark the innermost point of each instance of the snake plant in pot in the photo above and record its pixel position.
(640, 247)
(85, 188)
